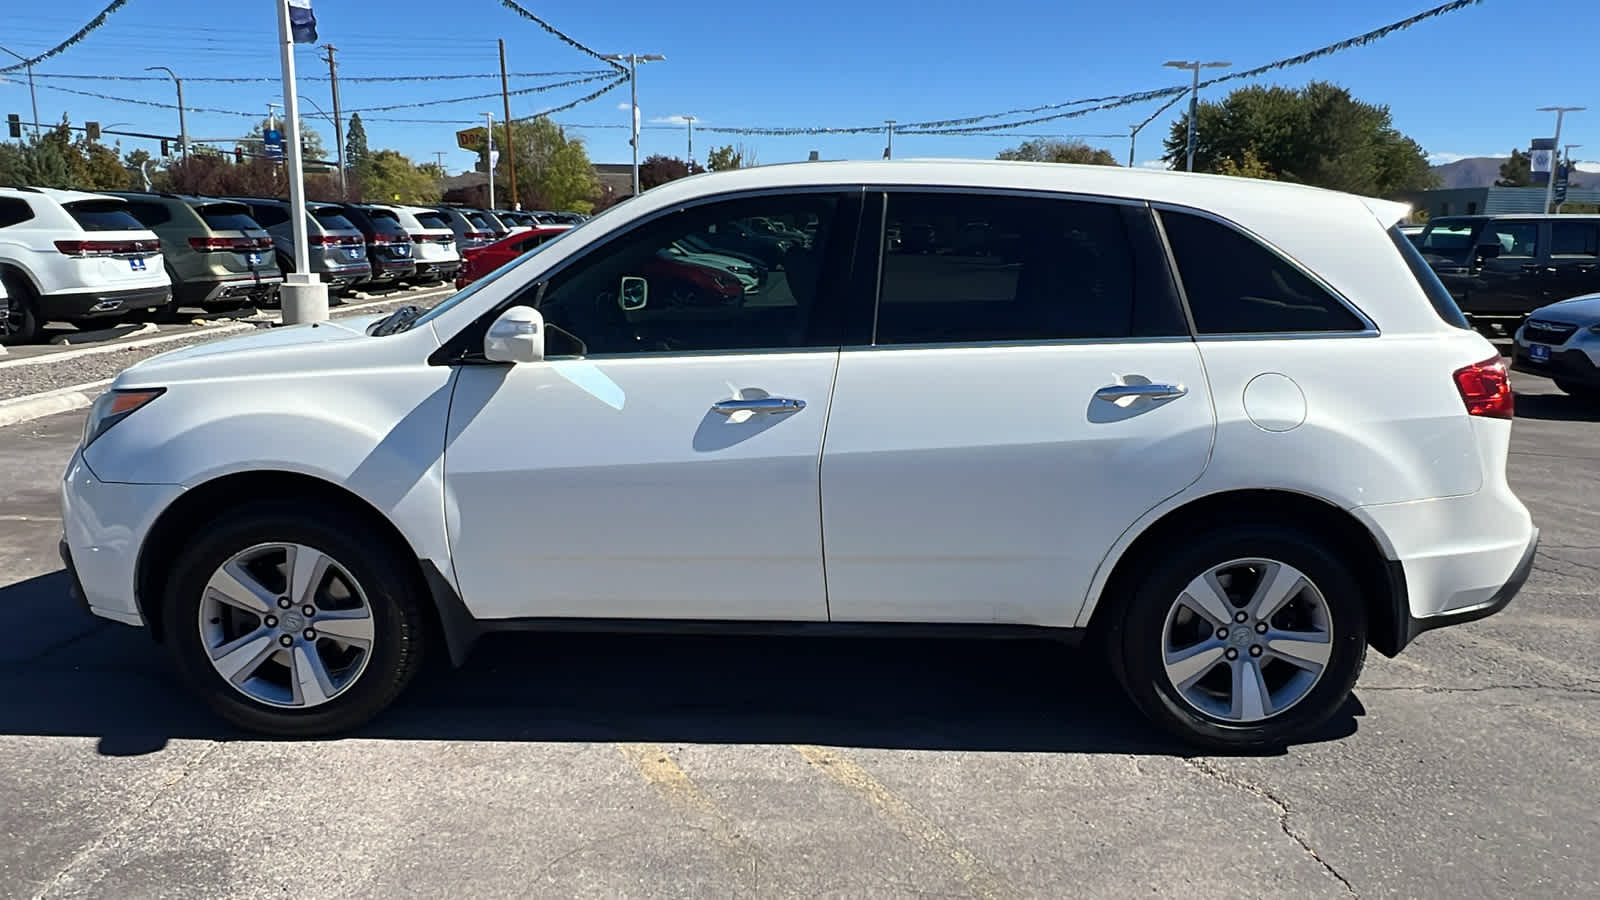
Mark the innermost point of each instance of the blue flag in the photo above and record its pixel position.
(302, 22)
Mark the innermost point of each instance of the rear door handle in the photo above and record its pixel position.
(763, 406)
(1115, 392)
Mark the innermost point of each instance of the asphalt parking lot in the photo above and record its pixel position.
(647, 766)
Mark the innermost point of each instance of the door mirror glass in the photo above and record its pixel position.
(633, 294)
(517, 336)
(1488, 251)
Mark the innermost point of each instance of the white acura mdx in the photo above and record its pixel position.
(1231, 432)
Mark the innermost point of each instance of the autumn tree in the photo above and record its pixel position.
(1318, 135)
(387, 176)
(660, 169)
(1517, 171)
(1057, 151)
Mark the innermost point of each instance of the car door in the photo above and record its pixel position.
(1513, 282)
(662, 463)
(1031, 390)
(1574, 258)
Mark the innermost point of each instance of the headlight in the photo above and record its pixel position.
(114, 406)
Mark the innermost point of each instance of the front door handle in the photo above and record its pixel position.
(1115, 392)
(763, 406)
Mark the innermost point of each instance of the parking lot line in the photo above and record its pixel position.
(658, 767)
(972, 872)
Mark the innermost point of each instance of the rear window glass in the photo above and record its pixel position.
(385, 221)
(228, 218)
(1438, 295)
(432, 220)
(103, 215)
(479, 220)
(332, 220)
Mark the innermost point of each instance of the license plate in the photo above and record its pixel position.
(137, 264)
(255, 259)
(354, 254)
(1538, 353)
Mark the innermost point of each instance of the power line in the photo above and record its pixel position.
(263, 79)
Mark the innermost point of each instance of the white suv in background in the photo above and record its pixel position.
(1153, 411)
(433, 243)
(68, 256)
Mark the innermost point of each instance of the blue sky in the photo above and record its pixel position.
(1464, 84)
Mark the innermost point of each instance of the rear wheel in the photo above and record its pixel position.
(19, 311)
(294, 620)
(1247, 638)
(1588, 393)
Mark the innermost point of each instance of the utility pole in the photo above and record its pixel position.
(1194, 98)
(338, 117)
(888, 149)
(689, 121)
(31, 92)
(183, 128)
(511, 147)
(633, 60)
(1555, 153)
(488, 155)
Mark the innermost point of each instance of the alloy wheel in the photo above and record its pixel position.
(1247, 640)
(286, 625)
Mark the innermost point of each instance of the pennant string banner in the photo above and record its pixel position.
(260, 79)
(516, 93)
(81, 33)
(571, 41)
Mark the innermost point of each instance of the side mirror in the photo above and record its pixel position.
(517, 336)
(633, 294)
(1488, 251)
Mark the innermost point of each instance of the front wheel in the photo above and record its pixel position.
(1246, 638)
(294, 621)
(19, 311)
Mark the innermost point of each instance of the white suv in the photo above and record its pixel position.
(435, 250)
(1232, 432)
(73, 257)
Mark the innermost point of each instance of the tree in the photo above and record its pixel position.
(1516, 171)
(255, 145)
(13, 164)
(387, 176)
(1249, 166)
(355, 142)
(1042, 150)
(660, 169)
(102, 168)
(720, 159)
(553, 170)
(1318, 135)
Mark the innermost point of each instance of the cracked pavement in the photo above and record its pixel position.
(594, 766)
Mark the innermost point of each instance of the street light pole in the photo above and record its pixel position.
(1555, 152)
(1194, 98)
(633, 60)
(31, 92)
(488, 155)
(183, 127)
(888, 150)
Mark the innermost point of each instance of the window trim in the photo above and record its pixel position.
(1370, 330)
(450, 352)
(878, 247)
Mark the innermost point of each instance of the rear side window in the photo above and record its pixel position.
(333, 220)
(1237, 286)
(14, 211)
(432, 220)
(102, 215)
(1438, 295)
(1575, 239)
(960, 268)
(1519, 239)
(228, 217)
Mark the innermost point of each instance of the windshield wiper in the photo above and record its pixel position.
(397, 321)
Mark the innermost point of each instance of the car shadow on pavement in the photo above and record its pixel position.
(1556, 407)
(110, 682)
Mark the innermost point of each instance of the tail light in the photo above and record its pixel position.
(419, 239)
(336, 240)
(480, 235)
(107, 248)
(1486, 389)
(236, 244)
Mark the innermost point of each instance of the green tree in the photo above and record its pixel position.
(721, 159)
(355, 142)
(13, 164)
(1318, 135)
(387, 176)
(254, 145)
(135, 163)
(52, 160)
(1041, 150)
(553, 170)
(1516, 171)
(660, 169)
(1249, 165)
(102, 168)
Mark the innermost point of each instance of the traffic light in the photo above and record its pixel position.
(92, 129)
(238, 156)
(164, 147)
(14, 124)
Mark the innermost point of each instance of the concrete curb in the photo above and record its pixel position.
(49, 403)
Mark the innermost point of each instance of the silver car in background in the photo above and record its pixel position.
(338, 250)
(1562, 342)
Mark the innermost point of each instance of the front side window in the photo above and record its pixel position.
(1235, 285)
(1575, 239)
(1519, 239)
(979, 268)
(696, 280)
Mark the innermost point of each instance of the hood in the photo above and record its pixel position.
(257, 352)
(1583, 310)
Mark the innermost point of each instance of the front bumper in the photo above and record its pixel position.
(104, 525)
(263, 289)
(1571, 364)
(93, 304)
(439, 270)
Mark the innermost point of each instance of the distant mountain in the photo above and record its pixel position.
(1472, 172)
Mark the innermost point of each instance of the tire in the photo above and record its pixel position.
(1140, 640)
(1584, 392)
(357, 685)
(19, 311)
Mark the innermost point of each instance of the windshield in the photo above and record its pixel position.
(478, 285)
(1449, 240)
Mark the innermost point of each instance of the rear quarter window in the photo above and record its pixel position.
(1428, 280)
(14, 211)
(103, 215)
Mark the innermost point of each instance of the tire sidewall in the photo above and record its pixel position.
(20, 295)
(1141, 636)
(396, 622)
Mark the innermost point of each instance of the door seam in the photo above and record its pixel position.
(822, 452)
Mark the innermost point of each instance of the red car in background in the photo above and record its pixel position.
(477, 262)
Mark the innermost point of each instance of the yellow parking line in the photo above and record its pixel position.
(663, 772)
(972, 872)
